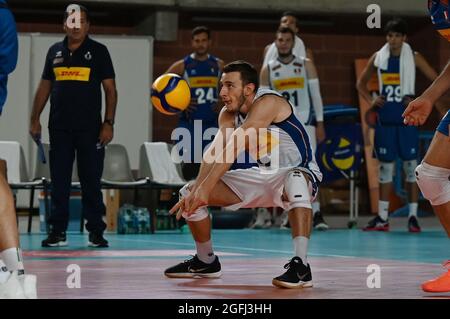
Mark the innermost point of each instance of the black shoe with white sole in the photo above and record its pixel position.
(97, 240)
(297, 275)
(318, 222)
(193, 268)
(55, 239)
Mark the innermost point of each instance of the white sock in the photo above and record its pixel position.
(301, 248)
(413, 209)
(4, 273)
(383, 209)
(12, 257)
(315, 207)
(205, 252)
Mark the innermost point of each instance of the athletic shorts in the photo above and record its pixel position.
(443, 126)
(396, 141)
(257, 188)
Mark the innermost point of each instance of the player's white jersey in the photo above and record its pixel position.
(291, 141)
(291, 81)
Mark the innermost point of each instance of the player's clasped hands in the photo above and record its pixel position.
(196, 199)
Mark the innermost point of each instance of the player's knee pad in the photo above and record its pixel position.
(297, 190)
(386, 171)
(434, 182)
(199, 214)
(409, 168)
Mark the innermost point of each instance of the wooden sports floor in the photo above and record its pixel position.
(340, 259)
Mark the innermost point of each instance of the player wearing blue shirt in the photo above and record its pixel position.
(13, 281)
(202, 71)
(395, 64)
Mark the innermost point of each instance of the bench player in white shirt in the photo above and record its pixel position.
(296, 79)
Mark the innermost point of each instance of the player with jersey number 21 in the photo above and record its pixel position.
(295, 77)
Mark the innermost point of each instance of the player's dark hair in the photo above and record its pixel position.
(248, 72)
(286, 30)
(290, 14)
(396, 25)
(201, 29)
(82, 9)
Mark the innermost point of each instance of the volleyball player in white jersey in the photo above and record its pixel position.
(296, 79)
(286, 177)
(288, 19)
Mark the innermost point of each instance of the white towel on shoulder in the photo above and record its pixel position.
(299, 50)
(407, 67)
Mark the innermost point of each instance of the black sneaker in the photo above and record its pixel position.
(97, 240)
(377, 224)
(55, 239)
(318, 222)
(413, 225)
(194, 267)
(297, 275)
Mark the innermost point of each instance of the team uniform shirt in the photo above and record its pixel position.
(203, 78)
(76, 99)
(291, 81)
(440, 16)
(392, 110)
(263, 186)
(8, 49)
(392, 138)
(444, 125)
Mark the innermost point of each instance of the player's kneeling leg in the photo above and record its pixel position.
(298, 189)
(198, 266)
(434, 183)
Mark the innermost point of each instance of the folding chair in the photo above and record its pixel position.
(117, 170)
(17, 172)
(117, 173)
(157, 164)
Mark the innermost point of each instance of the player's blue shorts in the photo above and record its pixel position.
(443, 126)
(396, 141)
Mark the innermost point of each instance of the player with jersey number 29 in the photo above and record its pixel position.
(395, 64)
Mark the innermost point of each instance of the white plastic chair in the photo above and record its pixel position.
(17, 172)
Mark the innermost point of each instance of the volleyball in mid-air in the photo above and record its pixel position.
(170, 94)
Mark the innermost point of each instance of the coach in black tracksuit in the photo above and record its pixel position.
(75, 69)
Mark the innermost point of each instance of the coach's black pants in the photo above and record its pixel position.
(64, 144)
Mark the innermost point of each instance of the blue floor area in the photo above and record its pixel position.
(431, 246)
